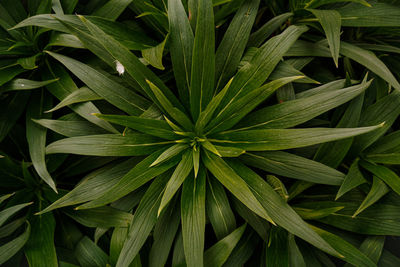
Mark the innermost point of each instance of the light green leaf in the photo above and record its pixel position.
(12, 247)
(350, 253)
(71, 128)
(278, 209)
(24, 84)
(330, 21)
(89, 254)
(8, 212)
(383, 173)
(279, 139)
(112, 9)
(183, 169)
(154, 55)
(294, 112)
(217, 255)
(353, 179)
(111, 91)
(134, 144)
(232, 46)
(317, 3)
(36, 135)
(144, 219)
(64, 87)
(378, 190)
(181, 47)
(94, 184)
(103, 217)
(234, 183)
(164, 234)
(169, 153)
(203, 58)
(259, 36)
(310, 214)
(152, 127)
(293, 166)
(370, 61)
(193, 212)
(40, 249)
(135, 178)
(377, 14)
(218, 209)
(83, 94)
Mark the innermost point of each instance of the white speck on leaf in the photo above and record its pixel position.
(119, 67)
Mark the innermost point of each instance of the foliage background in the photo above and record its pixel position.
(152, 133)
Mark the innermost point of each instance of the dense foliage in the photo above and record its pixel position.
(199, 133)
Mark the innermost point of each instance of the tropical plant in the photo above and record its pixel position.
(221, 128)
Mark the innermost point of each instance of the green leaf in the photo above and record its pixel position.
(203, 58)
(293, 166)
(372, 246)
(333, 153)
(28, 63)
(24, 84)
(135, 178)
(386, 109)
(310, 214)
(243, 250)
(378, 190)
(40, 249)
(64, 87)
(131, 63)
(164, 234)
(330, 21)
(256, 222)
(370, 61)
(64, 39)
(351, 254)
(71, 128)
(234, 111)
(144, 219)
(134, 144)
(278, 186)
(112, 9)
(374, 15)
(103, 217)
(317, 3)
(294, 112)
(261, 65)
(277, 250)
(234, 42)
(36, 135)
(193, 212)
(132, 39)
(183, 169)
(154, 55)
(83, 94)
(89, 254)
(117, 242)
(229, 152)
(207, 114)
(181, 47)
(279, 139)
(308, 49)
(284, 69)
(385, 150)
(174, 112)
(169, 153)
(234, 183)
(152, 127)
(278, 209)
(220, 251)
(8, 212)
(111, 91)
(12, 247)
(94, 184)
(353, 179)
(383, 173)
(331, 86)
(218, 209)
(259, 36)
(295, 257)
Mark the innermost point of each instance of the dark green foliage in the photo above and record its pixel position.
(199, 132)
